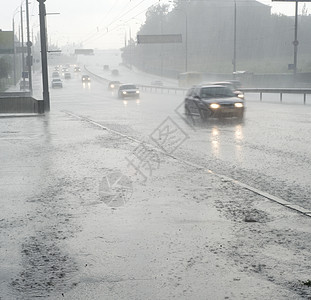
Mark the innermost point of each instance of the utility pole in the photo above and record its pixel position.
(186, 37)
(29, 44)
(296, 39)
(186, 41)
(234, 41)
(14, 52)
(44, 60)
(23, 54)
(295, 42)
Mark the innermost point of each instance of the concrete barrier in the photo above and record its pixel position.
(23, 103)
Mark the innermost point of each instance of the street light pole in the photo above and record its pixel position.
(23, 55)
(296, 38)
(29, 44)
(186, 39)
(44, 61)
(14, 52)
(234, 40)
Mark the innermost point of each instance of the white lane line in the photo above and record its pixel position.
(306, 212)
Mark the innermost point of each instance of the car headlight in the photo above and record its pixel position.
(241, 96)
(214, 105)
(112, 86)
(238, 104)
(137, 92)
(124, 92)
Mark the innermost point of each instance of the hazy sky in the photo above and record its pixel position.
(97, 23)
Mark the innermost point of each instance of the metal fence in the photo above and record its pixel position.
(280, 91)
(178, 90)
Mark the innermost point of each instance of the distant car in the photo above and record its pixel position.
(86, 78)
(106, 67)
(77, 69)
(157, 83)
(24, 85)
(213, 101)
(115, 72)
(113, 85)
(67, 75)
(128, 90)
(57, 83)
(55, 74)
(233, 85)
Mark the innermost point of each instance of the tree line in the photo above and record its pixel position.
(264, 41)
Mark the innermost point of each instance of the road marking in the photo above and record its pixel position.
(286, 204)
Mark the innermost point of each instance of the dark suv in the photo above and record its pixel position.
(213, 101)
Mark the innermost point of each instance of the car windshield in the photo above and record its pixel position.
(218, 92)
(129, 87)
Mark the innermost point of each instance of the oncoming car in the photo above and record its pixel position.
(113, 85)
(128, 90)
(213, 101)
(57, 83)
(86, 78)
(67, 75)
(55, 74)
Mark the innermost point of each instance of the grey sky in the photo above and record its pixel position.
(99, 24)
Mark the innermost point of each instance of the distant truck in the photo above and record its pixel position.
(115, 72)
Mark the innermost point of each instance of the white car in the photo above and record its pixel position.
(57, 83)
(67, 75)
(55, 74)
(128, 90)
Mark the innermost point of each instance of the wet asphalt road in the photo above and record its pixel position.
(184, 233)
(270, 150)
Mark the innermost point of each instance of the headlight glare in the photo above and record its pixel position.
(238, 104)
(214, 105)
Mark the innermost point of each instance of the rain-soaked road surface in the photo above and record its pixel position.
(80, 220)
(269, 151)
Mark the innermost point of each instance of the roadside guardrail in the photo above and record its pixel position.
(261, 91)
(280, 91)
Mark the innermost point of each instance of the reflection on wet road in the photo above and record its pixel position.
(269, 150)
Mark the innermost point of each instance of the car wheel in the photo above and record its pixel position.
(187, 111)
(240, 116)
(203, 114)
